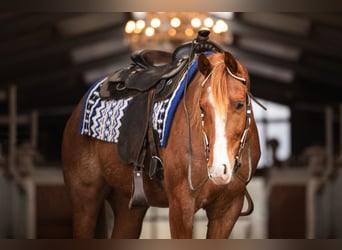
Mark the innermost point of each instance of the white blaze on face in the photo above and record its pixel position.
(220, 171)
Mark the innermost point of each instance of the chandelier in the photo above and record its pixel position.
(168, 30)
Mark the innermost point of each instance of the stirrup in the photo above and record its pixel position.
(138, 198)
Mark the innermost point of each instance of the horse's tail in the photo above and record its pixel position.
(101, 231)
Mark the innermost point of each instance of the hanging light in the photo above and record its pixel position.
(139, 26)
(175, 22)
(149, 31)
(208, 22)
(130, 26)
(155, 22)
(196, 22)
(167, 30)
(220, 26)
(189, 32)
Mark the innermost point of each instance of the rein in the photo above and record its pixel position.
(189, 143)
(200, 44)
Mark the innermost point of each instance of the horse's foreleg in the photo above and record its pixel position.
(221, 223)
(181, 216)
(127, 222)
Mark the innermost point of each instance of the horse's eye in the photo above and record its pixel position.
(202, 110)
(239, 105)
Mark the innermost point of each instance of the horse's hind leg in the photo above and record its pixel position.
(87, 205)
(127, 222)
(87, 191)
(101, 231)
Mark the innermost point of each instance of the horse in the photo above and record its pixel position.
(211, 154)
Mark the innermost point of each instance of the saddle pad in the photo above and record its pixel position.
(101, 119)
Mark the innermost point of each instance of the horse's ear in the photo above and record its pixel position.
(204, 65)
(230, 62)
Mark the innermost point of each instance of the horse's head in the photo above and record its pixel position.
(226, 113)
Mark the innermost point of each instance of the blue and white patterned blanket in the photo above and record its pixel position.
(101, 119)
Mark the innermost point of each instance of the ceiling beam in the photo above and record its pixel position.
(29, 22)
(64, 73)
(60, 45)
(271, 90)
(314, 72)
(300, 91)
(329, 18)
(241, 28)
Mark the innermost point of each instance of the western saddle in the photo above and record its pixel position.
(152, 76)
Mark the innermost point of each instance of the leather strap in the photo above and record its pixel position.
(250, 207)
(138, 197)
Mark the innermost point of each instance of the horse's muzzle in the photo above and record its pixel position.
(220, 174)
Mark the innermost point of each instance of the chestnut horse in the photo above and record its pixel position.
(211, 154)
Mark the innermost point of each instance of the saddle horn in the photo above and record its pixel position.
(202, 43)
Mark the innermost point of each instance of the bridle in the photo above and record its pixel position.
(243, 140)
(238, 156)
(203, 44)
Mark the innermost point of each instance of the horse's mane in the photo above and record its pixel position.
(220, 85)
(219, 88)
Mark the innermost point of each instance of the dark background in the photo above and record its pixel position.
(37, 52)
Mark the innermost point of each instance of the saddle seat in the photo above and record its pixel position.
(157, 58)
(151, 58)
(149, 69)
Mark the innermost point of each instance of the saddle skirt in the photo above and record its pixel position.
(101, 118)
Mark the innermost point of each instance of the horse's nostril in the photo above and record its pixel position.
(224, 169)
